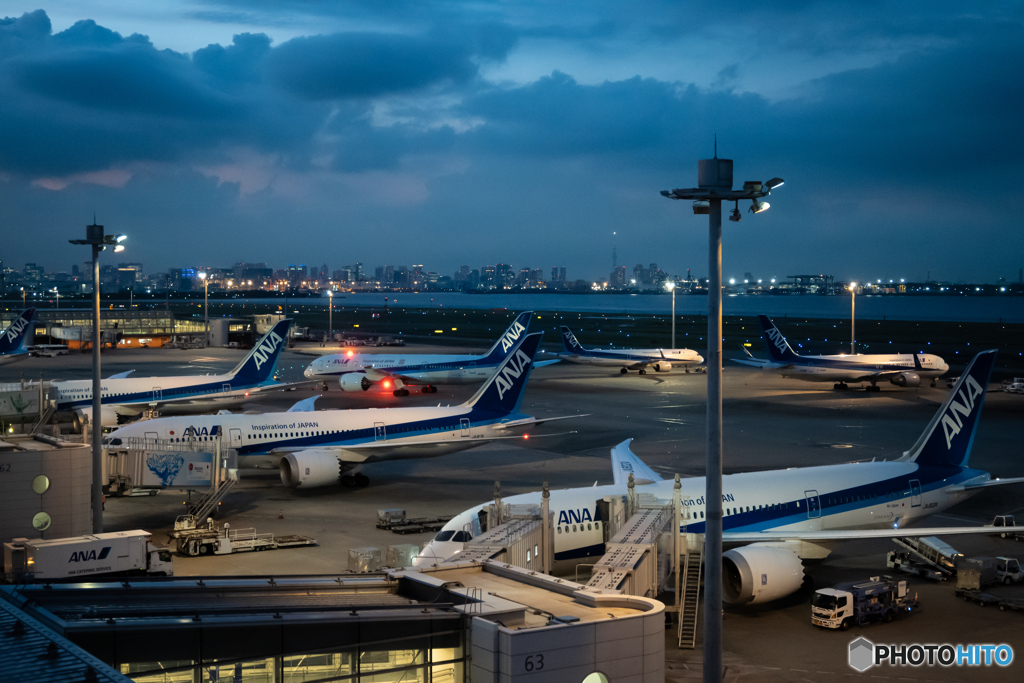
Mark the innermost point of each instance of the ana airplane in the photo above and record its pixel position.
(127, 397)
(15, 340)
(775, 519)
(902, 369)
(661, 360)
(323, 448)
(360, 371)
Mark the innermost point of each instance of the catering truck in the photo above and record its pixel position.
(116, 553)
(860, 602)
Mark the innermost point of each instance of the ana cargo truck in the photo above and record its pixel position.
(117, 553)
(881, 598)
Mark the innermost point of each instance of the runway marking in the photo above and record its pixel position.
(672, 420)
(682, 405)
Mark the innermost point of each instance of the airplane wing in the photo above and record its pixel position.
(121, 375)
(852, 534)
(625, 462)
(364, 451)
(542, 363)
(534, 421)
(757, 363)
(986, 484)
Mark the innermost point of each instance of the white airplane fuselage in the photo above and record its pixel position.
(630, 357)
(850, 368)
(422, 368)
(877, 495)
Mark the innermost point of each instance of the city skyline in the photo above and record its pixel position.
(464, 133)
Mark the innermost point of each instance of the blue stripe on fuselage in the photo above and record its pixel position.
(842, 501)
(192, 391)
(393, 432)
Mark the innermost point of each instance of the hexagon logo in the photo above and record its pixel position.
(862, 654)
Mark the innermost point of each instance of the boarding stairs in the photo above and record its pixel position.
(202, 508)
(44, 419)
(688, 600)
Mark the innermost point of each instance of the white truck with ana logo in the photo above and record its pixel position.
(120, 552)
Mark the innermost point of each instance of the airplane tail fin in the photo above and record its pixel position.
(16, 337)
(258, 366)
(778, 348)
(503, 392)
(625, 462)
(507, 340)
(948, 438)
(569, 340)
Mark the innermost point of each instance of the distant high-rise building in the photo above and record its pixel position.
(33, 272)
(296, 275)
(561, 274)
(74, 270)
(323, 274)
(554, 273)
(618, 277)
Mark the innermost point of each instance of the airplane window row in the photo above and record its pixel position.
(590, 527)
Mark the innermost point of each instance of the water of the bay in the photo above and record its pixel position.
(892, 307)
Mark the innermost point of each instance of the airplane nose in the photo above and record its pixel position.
(308, 372)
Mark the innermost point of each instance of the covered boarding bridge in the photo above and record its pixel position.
(475, 621)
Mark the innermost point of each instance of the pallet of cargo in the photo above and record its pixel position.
(394, 520)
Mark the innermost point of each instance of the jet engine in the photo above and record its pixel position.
(354, 381)
(662, 366)
(907, 379)
(759, 573)
(82, 418)
(309, 469)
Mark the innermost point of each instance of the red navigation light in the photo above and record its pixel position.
(387, 384)
(526, 436)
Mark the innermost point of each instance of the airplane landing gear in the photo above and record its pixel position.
(401, 392)
(355, 481)
(872, 387)
(642, 371)
(623, 371)
(840, 386)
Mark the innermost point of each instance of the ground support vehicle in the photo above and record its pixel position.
(904, 563)
(880, 598)
(975, 573)
(116, 553)
(977, 596)
(395, 521)
(210, 540)
(1010, 529)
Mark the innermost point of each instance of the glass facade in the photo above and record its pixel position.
(439, 658)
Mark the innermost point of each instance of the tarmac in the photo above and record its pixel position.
(769, 422)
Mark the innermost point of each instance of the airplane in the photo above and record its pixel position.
(661, 360)
(359, 371)
(15, 340)
(901, 369)
(329, 447)
(124, 397)
(776, 519)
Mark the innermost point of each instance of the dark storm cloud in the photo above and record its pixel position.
(348, 65)
(87, 98)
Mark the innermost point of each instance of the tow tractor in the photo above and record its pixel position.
(881, 598)
(1011, 530)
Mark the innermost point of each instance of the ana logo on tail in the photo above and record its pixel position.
(14, 331)
(509, 339)
(951, 423)
(570, 339)
(514, 368)
(778, 339)
(267, 348)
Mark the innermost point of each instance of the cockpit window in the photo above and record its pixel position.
(462, 537)
(444, 536)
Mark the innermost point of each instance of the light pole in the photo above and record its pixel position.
(95, 238)
(714, 185)
(853, 320)
(57, 293)
(671, 286)
(206, 315)
(330, 315)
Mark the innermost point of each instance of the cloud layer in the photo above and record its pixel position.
(408, 130)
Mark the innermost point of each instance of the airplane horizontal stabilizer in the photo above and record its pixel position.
(986, 484)
(305, 405)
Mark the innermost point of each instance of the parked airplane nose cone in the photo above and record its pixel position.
(308, 372)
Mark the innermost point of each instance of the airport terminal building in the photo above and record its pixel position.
(476, 621)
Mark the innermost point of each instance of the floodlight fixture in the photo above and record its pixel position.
(774, 182)
(701, 208)
(202, 275)
(758, 207)
(119, 248)
(735, 216)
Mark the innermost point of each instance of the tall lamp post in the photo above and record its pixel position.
(95, 238)
(671, 286)
(853, 319)
(330, 315)
(714, 185)
(206, 307)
